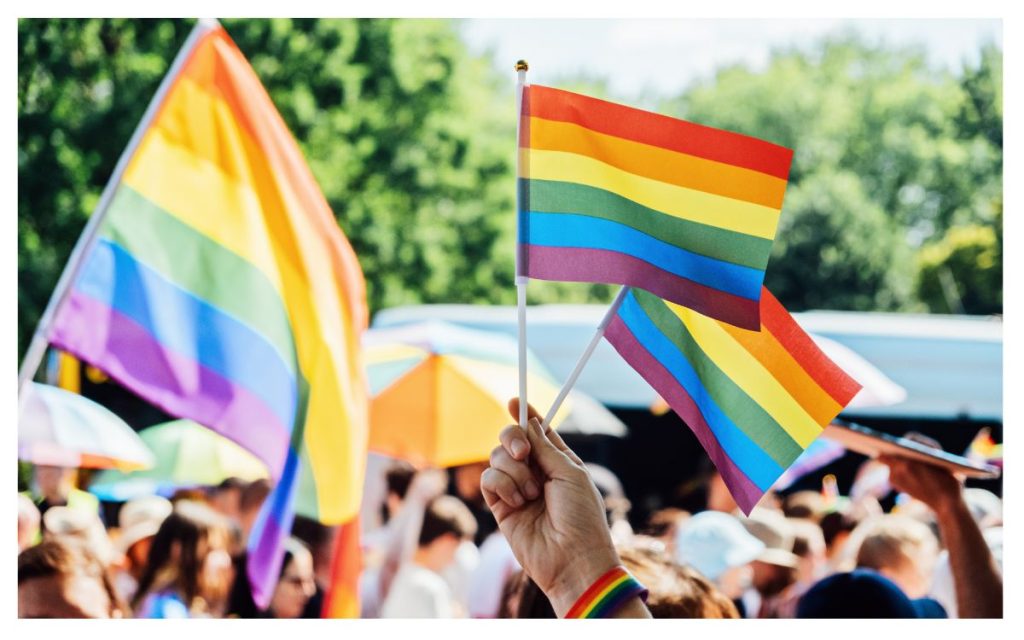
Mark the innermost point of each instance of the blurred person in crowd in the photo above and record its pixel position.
(812, 565)
(977, 580)
(465, 484)
(987, 510)
(419, 590)
(188, 569)
(718, 546)
(61, 578)
(808, 505)
(616, 505)
(398, 478)
(84, 526)
(775, 568)
(512, 595)
(249, 504)
(664, 525)
(319, 540)
(676, 591)
(138, 522)
(55, 487)
(863, 593)
(836, 527)
(496, 567)
(985, 506)
(553, 517)
(226, 498)
(28, 523)
(900, 548)
(294, 589)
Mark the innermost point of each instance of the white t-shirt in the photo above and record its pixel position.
(417, 592)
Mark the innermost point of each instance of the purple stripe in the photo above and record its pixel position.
(599, 265)
(266, 540)
(742, 488)
(94, 332)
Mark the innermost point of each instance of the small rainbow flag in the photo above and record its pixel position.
(222, 290)
(754, 399)
(613, 194)
(983, 448)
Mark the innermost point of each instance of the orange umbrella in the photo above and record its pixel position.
(439, 392)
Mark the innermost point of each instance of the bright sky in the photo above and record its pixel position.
(662, 57)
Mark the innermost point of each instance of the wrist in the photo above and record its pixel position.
(571, 583)
(952, 510)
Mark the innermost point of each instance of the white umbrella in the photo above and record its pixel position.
(60, 428)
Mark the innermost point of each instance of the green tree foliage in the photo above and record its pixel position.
(407, 134)
(962, 271)
(923, 146)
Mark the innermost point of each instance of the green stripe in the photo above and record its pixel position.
(733, 401)
(549, 196)
(600, 609)
(201, 266)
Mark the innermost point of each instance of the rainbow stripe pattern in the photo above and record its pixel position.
(222, 290)
(607, 594)
(754, 399)
(613, 194)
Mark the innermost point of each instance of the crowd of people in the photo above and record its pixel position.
(523, 535)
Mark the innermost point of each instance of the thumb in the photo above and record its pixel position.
(553, 462)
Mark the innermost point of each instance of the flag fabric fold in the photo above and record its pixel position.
(222, 290)
(755, 399)
(613, 194)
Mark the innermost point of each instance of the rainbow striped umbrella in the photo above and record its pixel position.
(439, 392)
(60, 428)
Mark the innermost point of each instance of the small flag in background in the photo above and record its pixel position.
(984, 449)
(754, 399)
(222, 290)
(613, 194)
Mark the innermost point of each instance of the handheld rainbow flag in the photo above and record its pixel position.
(221, 289)
(613, 194)
(754, 399)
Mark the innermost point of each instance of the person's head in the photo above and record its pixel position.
(664, 525)
(226, 497)
(61, 578)
(809, 547)
(863, 594)
(249, 504)
(296, 585)
(467, 481)
(720, 548)
(675, 591)
(138, 521)
(398, 478)
(809, 505)
(28, 522)
(189, 555)
(446, 523)
(774, 569)
(82, 525)
(900, 548)
(836, 527)
(55, 483)
(319, 539)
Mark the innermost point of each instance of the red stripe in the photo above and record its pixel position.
(833, 380)
(657, 130)
(588, 596)
(575, 264)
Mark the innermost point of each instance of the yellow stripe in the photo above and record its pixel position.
(688, 204)
(198, 165)
(601, 596)
(750, 375)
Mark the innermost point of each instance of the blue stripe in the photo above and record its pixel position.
(586, 232)
(189, 326)
(744, 452)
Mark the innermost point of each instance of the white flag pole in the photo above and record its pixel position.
(521, 280)
(40, 339)
(589, 351)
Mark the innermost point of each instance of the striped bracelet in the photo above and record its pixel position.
(607, 594)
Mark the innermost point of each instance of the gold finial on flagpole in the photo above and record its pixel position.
(522, 65)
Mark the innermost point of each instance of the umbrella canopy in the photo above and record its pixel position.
(439, 392)
(591, 418)
(60, 428)
(187, 455)
(877, 389)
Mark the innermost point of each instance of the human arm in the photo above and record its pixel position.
(976, 578)
(551, 514)
(404, 528)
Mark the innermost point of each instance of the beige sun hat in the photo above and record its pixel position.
(60, 522)
(141, 518)
(775, 531)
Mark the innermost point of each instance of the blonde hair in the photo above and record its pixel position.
(891, 540)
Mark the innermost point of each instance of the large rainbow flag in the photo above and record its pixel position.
(613, 194)
(222, 290)
(754, 399)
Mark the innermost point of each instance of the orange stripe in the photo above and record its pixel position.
(658, 163)
(832, 380)
(784, 368)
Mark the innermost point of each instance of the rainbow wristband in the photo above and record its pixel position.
(607, 594)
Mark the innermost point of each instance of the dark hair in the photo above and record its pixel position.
(190, 529)
(399, 476)
(253, 495)
(532, 601)
(229, 484)
(836, 522)
(63, 556)
(240, 601)
(446, 514)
